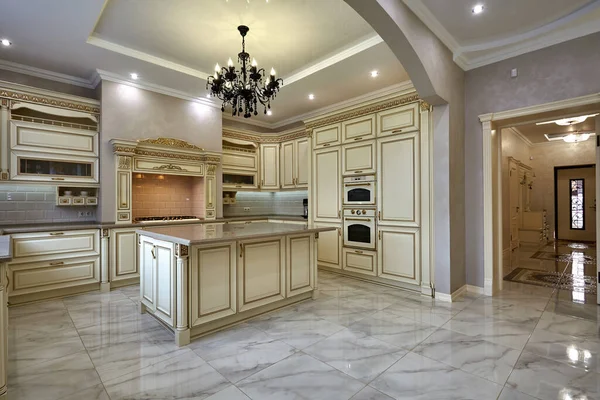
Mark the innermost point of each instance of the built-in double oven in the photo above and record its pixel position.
(360, 225)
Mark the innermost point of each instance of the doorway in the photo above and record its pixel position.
(575, 203)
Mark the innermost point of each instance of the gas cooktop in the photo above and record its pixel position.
(170, 218)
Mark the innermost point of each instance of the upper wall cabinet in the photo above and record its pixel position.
(32, 166)
(327, 185)
(398, 120)
(301, 162)
(238, 154)
(329, 135)
(358, 158)
(30, 136)
(361, 128)
(269, 166)
(293, 162)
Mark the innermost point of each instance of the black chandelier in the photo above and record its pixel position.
(243, 89)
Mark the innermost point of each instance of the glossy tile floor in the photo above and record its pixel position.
(358, 341)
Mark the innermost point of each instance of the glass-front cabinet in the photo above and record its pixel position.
(48, 167)
(238, 179)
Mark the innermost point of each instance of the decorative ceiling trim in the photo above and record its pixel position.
(521, 136)
(46, 74)
(109, 76)
(258, 137)
(427, 17)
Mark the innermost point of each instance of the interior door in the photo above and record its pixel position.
(576, 203)
(514, 195)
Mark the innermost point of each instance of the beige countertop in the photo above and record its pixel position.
(5, 249)
(215, 233)
(30, 228)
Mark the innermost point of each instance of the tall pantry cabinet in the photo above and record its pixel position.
(388, 138)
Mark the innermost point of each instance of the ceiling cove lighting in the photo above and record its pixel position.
(374, 73)
(568, 121)
(243, 89)
(478, 9)
(134, 76)
(576, 137)
(311, 96)
(5, 42)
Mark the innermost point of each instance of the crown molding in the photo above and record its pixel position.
(43, 96)
(45, 74)
(426, 16)
(261, 124)
(109, 76)
(520, 135)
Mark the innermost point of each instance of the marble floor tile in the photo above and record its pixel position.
(93, 299)
(416, 377)
(489, 307)
(547, 379)
(185, 376)
(94, 393)
(35, 308)
(229, 393)
(300, 377)
(339, 311)
(84, 316)
(571, 326)
(46, 322)
(372, 301)
(356, 354)
(511, 394)
(589, 311)
(368, 393)
(570, 350)
(398, 331)
(133, 292)
(425, 315)
(478, 357)
(228, 342)
(54, 379)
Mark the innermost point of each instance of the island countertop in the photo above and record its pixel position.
(214, 233)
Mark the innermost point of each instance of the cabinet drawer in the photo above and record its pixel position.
(361, 128)
(358, 158)
(40, 276)
(330, 135)
(174, 168)
(56, 245)
(399, 120)
(361, 261)
(240, 160)
(31, 136)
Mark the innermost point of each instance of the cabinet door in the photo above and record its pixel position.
(32, 136)
(261, 272)
(147, 256)
(165, 281)
(269, 162)
(301, 160)
(46, 167)
(399, 254)
(213, 282)
(239, 179)
(327, 185)
(287, 162)
(361, 128)
(398, 180)
(326, 136)
(361, 261)
(358, 158)
(123, 254)
(3, 331)
(398, 120)
(329, 247)
(300, 264)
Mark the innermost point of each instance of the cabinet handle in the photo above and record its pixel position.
(56, 233)
(358, 138)
(326, 144)
(339, 213)
(379, 235)
(123, 204)
(262, 183)
(241, 250)
(339, 231)
(358, 172)
(357, 184)
(397, 131)
(379, 215)
(152, 251)
(358, 219)
(358, 251)
(57, 263)
(238, 186)
(58, 179)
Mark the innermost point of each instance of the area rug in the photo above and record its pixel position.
(564, 281)
(551, 256)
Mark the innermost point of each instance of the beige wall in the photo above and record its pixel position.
(559, 72)
(41, 83)
(515, 147)
(132, 113)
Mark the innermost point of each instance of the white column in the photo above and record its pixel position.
(4, 152)
(104, 261)
(427, 270)
(182, 328)
(488, 205)
(3, 332)
(315, 269)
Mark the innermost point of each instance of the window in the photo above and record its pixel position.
(577, 210)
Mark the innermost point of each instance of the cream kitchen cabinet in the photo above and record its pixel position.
(327, 185)
(360, 261)
(300, 265)
(359, 158)
(399, 252)
(212, 287)
(398, 180)
(233, 179)
(49, 167)
(261, 272)
(269, 166)
(357, 129)
(329, 247)
(3, 332)
(398, 120)
(326, 136)
(123, 254)
(53, 139)
(48, 246)
(293, 160)
(157, 282)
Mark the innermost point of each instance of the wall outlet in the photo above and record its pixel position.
(88, 213)
(246, 208)
(81, 213)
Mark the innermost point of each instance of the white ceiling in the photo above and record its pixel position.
(535, 133)
(317, 46)
(506, 28)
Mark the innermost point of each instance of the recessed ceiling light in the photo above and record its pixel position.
(134, 75)
(311, 96)
(207, 96)
(269, 112)
(5, 42)
(478, 9)
(374, 73)
(568, 121)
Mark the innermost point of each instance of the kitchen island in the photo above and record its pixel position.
(199, 278)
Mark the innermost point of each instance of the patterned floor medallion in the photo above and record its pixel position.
(547, 255)
(583, 284)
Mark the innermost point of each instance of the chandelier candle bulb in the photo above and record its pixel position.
(230, 63)
(273, 73)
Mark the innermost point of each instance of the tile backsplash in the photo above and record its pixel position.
(36, 203)
(266, 203)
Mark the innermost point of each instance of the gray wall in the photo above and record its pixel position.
(564, 71)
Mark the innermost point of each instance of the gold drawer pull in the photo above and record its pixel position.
(152, 252)
(57, 263)
(358, 138)
(397, 131)
(359, 219)
(358, 172)
(326, 144)
(56, 233)
(358, 251)
(58, 179)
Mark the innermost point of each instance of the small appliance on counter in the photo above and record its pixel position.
(305, 204)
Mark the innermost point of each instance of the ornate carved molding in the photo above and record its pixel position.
(265, 138)
(170, 142)
(425, 106)
(358, 112)
(105, 232)
(211, 169)
(47, 100)
(124, 162)
(181, 250)
(4, 102)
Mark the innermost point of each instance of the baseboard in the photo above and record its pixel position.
(457, 294)
(488, 287)
(475, 289)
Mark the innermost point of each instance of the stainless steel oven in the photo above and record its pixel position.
(359, 190)
(360, 228)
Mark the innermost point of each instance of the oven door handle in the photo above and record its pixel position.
(357, 184)
(358, 219)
